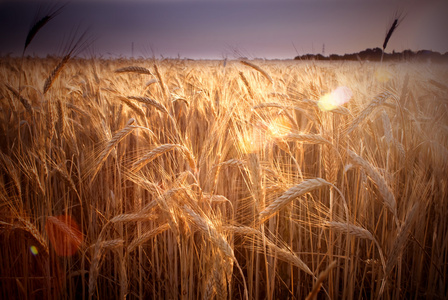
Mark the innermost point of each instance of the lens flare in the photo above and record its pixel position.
(33, 250)
(279, 126)
(262, 132)
(334, 99)
(64, 234)
(256, 137)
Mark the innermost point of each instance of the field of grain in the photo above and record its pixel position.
(176, 179)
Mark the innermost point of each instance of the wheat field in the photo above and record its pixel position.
(180, 179)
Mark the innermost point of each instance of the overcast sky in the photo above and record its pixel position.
(228, 28)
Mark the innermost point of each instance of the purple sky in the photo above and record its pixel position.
(229, 28)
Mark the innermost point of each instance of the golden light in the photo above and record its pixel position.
(279, 126)
(246, 142)
(64, 234)
(383, 75)
(338, 97)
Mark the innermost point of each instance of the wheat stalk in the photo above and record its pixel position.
(61, 119)
(269, 104)
(322, 276)
(150, 82)
(361, 233)
(151, 102)
(153, 154)
(146, 236)
(11, 169)
(161, 82)
(49, 117)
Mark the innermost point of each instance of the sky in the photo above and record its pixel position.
(271, 29)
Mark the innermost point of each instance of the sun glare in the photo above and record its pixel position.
(279, 126)
(64, 234)
(337, 97)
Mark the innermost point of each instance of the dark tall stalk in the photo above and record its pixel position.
(38, 23)
(397, 20)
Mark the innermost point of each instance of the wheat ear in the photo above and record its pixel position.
(29, 227)
(393, 27)
(133, 69)
(255, 67)
(95, 265)
(151, 102)
(24, 101)
(207, 228)
(351, 229)
(70, 232)
(61, 119)
(361, 233)
(119, 136)
(135, 217)
(133, 106)
(246, 83)
(146, 236)
(283, 254)
(291, 194)
(385, 191)
(220, 279)
(50, 79)
(378, 100)
(73, 47)
(39, 24)
(402, 237)
(305, 138)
